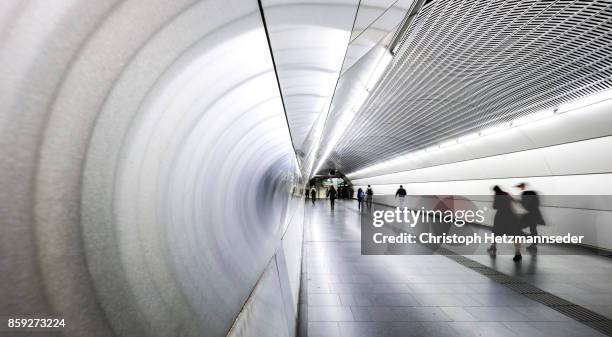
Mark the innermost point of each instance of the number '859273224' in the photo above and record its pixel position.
(18, 323)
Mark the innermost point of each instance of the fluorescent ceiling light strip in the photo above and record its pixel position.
(495, 129)
(523, 120)
(586, 101)
(534, 117)
(468, 137)
(357, 104)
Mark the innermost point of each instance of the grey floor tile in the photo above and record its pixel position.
(525, 329)
(391, 288)
(396, 300)
(329, 314)
(323, 329)
(377, 329)
(378, 314)
(361, 314)
(484, 329)
(435, 329)
(324, 299)
(497, 314)
(422, 314)
(318, 287)
(513, 299)
(446, 300)
(458, 314)
(349, 299)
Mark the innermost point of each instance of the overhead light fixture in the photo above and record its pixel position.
(360, 98)
(533, 117)
(379, 70)
(586, 101)
(495, 129)
(448, 143)
(433, 148)
(524, 120)
(468, 137)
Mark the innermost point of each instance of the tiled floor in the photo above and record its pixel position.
(350, 295)
(585, 280)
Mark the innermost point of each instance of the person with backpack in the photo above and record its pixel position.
(401, 193)
(360, 196)
(369, 195)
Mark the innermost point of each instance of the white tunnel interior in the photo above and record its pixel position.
(147, 168)
(154, 154)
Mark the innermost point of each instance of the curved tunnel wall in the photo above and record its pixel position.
(147, 169)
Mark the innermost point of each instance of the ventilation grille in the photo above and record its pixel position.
(471, 64)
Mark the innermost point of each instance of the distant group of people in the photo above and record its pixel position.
(511, 216)
(345, 192)
(509, 220)
(332, 193)
(311, 194)
(368, 195)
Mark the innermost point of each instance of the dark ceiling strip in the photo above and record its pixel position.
(280, 90)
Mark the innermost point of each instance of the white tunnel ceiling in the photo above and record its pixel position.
(309, 41)
(467, 65)
(312, 41)
(375, 21)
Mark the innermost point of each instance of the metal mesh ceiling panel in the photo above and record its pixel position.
(471, 64)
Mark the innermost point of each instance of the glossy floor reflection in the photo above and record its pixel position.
(350, 295)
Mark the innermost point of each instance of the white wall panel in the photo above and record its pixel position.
(554, 185)
(584, 157)
(262, 315)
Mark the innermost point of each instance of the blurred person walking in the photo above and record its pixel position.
(313, 196)
(360, 196)
(531, 202)
(332, 194)
(401, 193)
(505, 221)
(369, 195)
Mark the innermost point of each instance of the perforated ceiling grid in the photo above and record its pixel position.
(471, 64)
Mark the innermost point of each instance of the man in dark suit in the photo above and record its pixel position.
(531, 202)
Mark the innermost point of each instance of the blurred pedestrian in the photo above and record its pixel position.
(332, 194)
(369, 196)
(313, 196)
(505, 221)
(360, 196)
(401, 193)
(531, 203)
